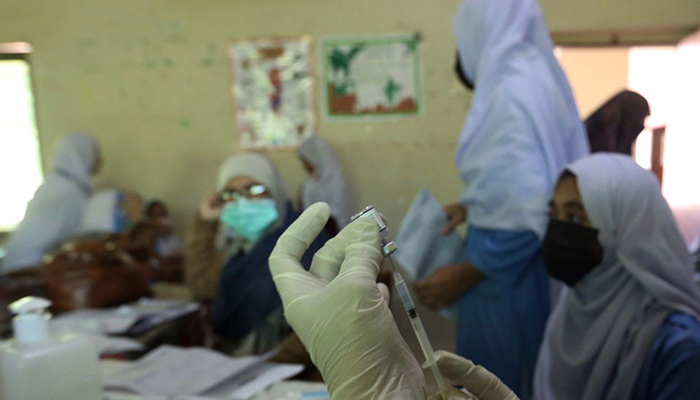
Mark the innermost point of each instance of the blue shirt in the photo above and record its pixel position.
(671, 369)
(502, 319)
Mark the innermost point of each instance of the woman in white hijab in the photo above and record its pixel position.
(523, 127)
(326, 182)
(228, 247)
(627, 326)
(56, 211)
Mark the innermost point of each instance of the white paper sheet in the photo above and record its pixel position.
(142, 315)
(422, 248)
(106, 321)
(170, 371)
(197, 373)
(153, 312)
(254, 381)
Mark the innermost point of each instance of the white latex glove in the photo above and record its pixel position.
(339, 313)
(480, 383)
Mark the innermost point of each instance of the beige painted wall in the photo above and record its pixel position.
(133, 73)
(595, 74)
(584, 15)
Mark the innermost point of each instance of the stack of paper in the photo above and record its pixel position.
(422, 247)
(183, 373)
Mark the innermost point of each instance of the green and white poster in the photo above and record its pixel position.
(372, 76)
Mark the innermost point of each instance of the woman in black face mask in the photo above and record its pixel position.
(627, 327)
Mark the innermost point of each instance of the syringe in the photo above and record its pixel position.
(388, 248)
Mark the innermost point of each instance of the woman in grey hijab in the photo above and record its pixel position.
(56, 210)
(627, 326)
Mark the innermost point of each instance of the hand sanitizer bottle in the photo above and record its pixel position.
(37, 365)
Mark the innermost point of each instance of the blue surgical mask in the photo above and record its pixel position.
(250, 218)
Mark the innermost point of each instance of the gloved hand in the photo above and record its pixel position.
(339, 313)
(480, 383)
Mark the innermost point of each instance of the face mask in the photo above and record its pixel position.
(249, 218)
(570, 251)
(459, 71)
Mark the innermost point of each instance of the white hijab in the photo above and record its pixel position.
(55, 212)
(523, 125)
(601, 330)
(263, 170)
(330, 185)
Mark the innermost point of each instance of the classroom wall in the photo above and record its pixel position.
(151, 80)
(591, 15)
(595, 74)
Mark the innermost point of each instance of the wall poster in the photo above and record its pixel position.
(272, 87)
(371, 76)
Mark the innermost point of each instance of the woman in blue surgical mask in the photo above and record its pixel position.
(232, 237)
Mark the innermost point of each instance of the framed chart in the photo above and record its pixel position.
(371, 76)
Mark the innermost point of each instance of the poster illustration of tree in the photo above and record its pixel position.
(372, 76)
(272, 86)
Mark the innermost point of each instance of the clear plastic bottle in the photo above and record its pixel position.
(37, 365)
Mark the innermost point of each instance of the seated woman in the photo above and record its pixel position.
(55, 212)
(627, 327)
(228, 248)
(325, 182)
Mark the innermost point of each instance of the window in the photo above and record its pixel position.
(667, 76)
(20, 160)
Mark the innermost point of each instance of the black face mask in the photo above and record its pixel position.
(462, 76)
(570, 251)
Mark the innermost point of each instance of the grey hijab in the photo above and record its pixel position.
(602, 329)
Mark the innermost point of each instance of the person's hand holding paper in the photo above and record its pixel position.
(424, 248)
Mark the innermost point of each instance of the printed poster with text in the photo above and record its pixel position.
(372, 76)
(272, 85)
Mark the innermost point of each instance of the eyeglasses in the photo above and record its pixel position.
(253, 191)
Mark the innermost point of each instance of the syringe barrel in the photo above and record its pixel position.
(404, 294)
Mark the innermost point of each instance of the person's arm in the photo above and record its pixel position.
(673, 370)
(456, 215)
(481, 384)
(339, 312)
(342, 317)
(203, 262)
(447, 284)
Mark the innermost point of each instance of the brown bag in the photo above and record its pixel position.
(95, 273)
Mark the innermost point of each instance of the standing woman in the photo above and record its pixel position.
(56, 211)
(522, 128)
(325, 182)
